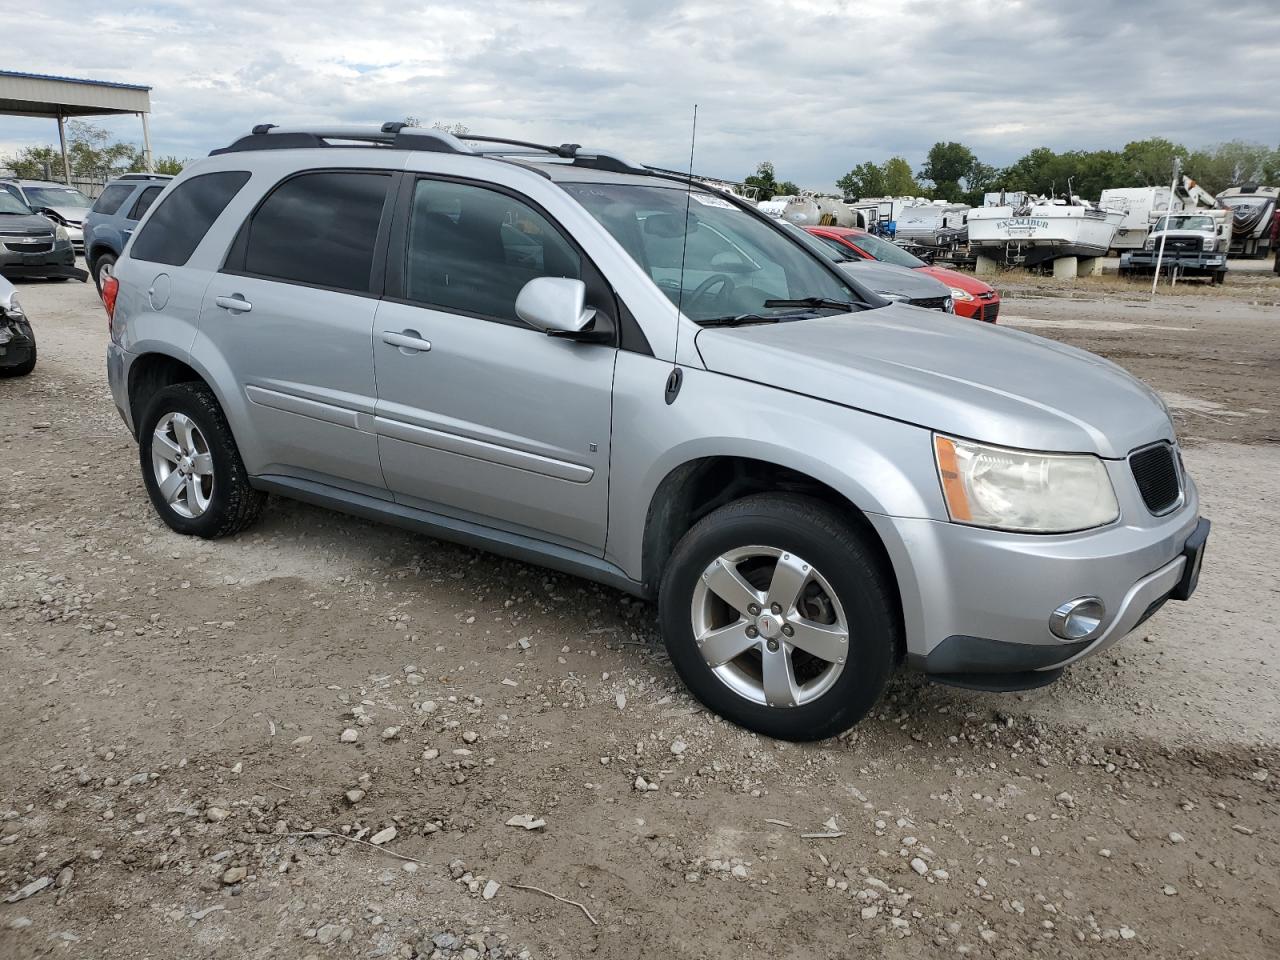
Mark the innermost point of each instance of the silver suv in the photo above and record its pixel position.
(568, 358)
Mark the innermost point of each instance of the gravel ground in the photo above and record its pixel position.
(328, 738)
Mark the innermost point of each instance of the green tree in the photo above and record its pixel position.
(35, 163)
(170, 165)
(1229, 164)
(946, 165)
(1149, 163)
(1271, 167)
(90, 153)
(864, 180)
(977, 181)
(788, 188)
(898, 179)
(764, 180)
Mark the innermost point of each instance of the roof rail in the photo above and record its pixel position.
(397, 134)
(268, 136)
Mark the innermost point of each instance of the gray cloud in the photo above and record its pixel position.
(813, 85)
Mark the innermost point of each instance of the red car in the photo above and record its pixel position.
(972, 297)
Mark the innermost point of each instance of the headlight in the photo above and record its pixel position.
(1207, 243)
(1022, 491)
(60, 233)
(14, 310)
(1150, 244)
(962, 295)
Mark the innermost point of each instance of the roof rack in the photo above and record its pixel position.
(401, 136)
(144, 176)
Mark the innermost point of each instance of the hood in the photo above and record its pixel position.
(73, 215)
(22, 223)
(971, 380)
(890, 278)
(954, 278)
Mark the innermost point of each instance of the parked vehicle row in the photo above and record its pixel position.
(33, 246)
(971, 297)
(64, 205)
(586, 363)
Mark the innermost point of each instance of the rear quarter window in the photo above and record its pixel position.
(112, 197)
(144, 202)
(185, 216)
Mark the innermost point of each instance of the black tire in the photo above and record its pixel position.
(27, 365)
(855, 570)
(233, 503)
(100, 261)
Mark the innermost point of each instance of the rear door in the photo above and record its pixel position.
(481, 416)
(291, 314)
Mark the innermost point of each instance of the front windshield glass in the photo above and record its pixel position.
(56, 197)
(886, 252)
(11, 204)
(733, 262)
(1184, 223)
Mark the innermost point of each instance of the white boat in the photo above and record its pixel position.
(1042, 230)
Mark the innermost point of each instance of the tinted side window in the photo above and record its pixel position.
(181, 221)
(144, 202)
(473, 249)
(111, 198)
(318, 228)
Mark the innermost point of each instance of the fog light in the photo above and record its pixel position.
(1079, 619)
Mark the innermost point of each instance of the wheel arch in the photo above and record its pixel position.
(152, 372)
(696, 487)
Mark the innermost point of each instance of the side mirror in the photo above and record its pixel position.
(555, 305)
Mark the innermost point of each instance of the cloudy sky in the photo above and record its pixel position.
(816, 86)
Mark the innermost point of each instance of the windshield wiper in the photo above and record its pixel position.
(817, 303)
(740, 320)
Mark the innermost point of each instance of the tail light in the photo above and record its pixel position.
(110, 289)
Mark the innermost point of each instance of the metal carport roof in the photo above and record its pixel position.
(38, 95)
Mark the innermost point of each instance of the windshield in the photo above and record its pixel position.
(11, 204)
(56, 197)
(733, 261)
(1184, 223)
(886, 252)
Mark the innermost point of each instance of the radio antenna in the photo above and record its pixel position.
(677, 377)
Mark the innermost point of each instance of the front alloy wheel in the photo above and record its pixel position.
(770, 626)
(758, 602)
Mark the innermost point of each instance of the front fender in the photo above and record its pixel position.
(879, 465)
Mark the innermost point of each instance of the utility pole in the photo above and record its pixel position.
(1164, 234)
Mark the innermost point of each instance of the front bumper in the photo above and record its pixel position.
(979, 309)
(1147, 259)
(977, 603)
(57, 262)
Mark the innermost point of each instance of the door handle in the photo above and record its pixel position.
(235, 303)
(409, 341)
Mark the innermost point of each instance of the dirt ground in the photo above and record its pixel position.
(172, 730)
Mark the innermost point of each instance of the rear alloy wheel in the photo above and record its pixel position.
(191, 467)
(182, 465)
(780, 616)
